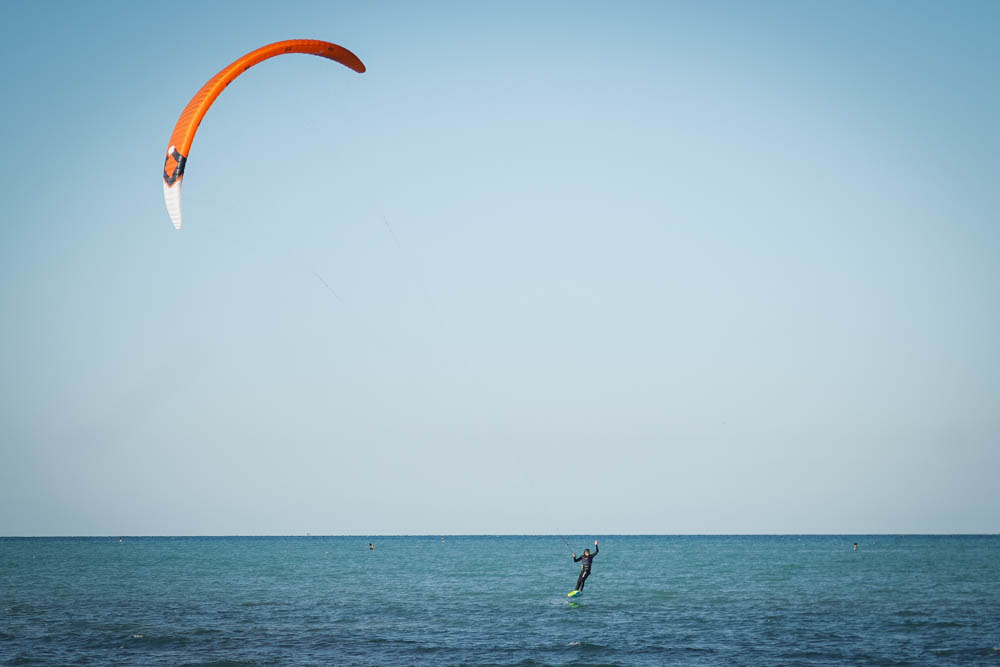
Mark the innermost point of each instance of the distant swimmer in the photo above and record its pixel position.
(587, 559)
(855, 546)
(371, 547)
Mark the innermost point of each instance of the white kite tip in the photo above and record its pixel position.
(172, 197)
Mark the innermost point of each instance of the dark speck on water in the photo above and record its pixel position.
(651, 600)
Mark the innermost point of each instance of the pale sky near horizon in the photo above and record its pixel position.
(642, 267)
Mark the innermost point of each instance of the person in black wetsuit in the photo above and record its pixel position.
(587, 559)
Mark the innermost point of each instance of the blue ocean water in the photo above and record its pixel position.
(756, 600)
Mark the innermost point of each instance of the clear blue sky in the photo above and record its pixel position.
(599, 268)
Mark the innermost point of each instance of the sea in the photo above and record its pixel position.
(470, 600)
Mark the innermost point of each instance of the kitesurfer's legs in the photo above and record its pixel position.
(581, 579)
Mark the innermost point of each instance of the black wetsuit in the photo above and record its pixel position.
(585, 568)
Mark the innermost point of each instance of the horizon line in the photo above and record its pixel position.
(495, 535)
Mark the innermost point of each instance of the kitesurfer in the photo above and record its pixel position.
(587, 559)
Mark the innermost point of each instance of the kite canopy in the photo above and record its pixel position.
(187, 125)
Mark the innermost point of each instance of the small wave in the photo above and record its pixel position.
(587, 646)
(808, 654)
(966, 652)
(168, 641)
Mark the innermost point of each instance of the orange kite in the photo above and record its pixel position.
(187, 125)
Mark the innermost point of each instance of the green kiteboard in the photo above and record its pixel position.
(574, 594)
